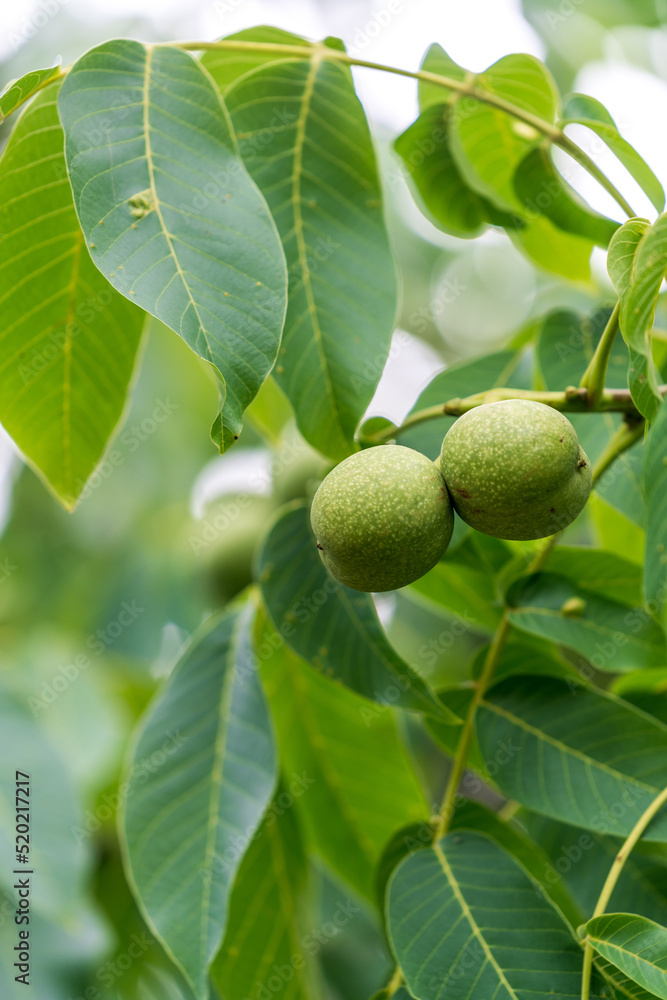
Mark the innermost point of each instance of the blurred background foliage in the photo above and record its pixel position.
(95, 606)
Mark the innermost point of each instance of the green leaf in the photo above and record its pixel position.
(227, 65)
(654, 479)
(636, 264)
(188, 821)
(270, 412)
(267, 913)
(554, 250)
(514, 839)
(488, 143)
(456, 382)
(450, 204)
(17, 92)
(357, 784)
(176, 224)
(635, 945)
(581, 860)
(543, 191)
(466, 920)
(584, 757)
(613, 636)
(308, 146)
(439, 62)
(68, 340)
(601, 572)
(565, 346)
(468, 594)
(579, 109)
(332, 627)
(56, 848)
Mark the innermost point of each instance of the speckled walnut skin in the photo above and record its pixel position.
(515, 469)
(382, 518)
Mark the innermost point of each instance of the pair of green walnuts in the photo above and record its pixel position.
(513, 469)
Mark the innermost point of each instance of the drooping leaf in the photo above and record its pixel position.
(354, 784)
(268, 913)
(586, 757)
(543, 191)
(654, 480)
(333, 628)
(466, 920)
(188, 824)
(450, 203)
(227, 65)
(580, 109)
(310, 152)
(169, 213)
(613, 636)
(566, 344)
(17, 92)
(636, 262)
(441, 63)
(553, 249)
(68, 340)
(635, 945)
(489, 143)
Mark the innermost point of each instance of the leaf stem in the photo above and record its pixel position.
(448, 803)
(594, 376)
(466, 87)
(630, 431)
(570, 400)
(612, 879)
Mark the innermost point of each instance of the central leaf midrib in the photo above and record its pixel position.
(156, 201)
(453, 883)
(302, 252)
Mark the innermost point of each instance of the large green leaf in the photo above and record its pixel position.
(654, 475)
(68, 340)
(584, 757)
(188, 825)
(488, 143)
(466, 921)
(170, 215)
(565, 346)
(580, 109)
(353, 782)
(543, 191)
(267, 914)
(332, 627)
(308, 146)
(636, 262)
(635, 945)
(17, 92)
(613, 636)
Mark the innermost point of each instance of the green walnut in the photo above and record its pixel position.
(515, 469)
(382, 518)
